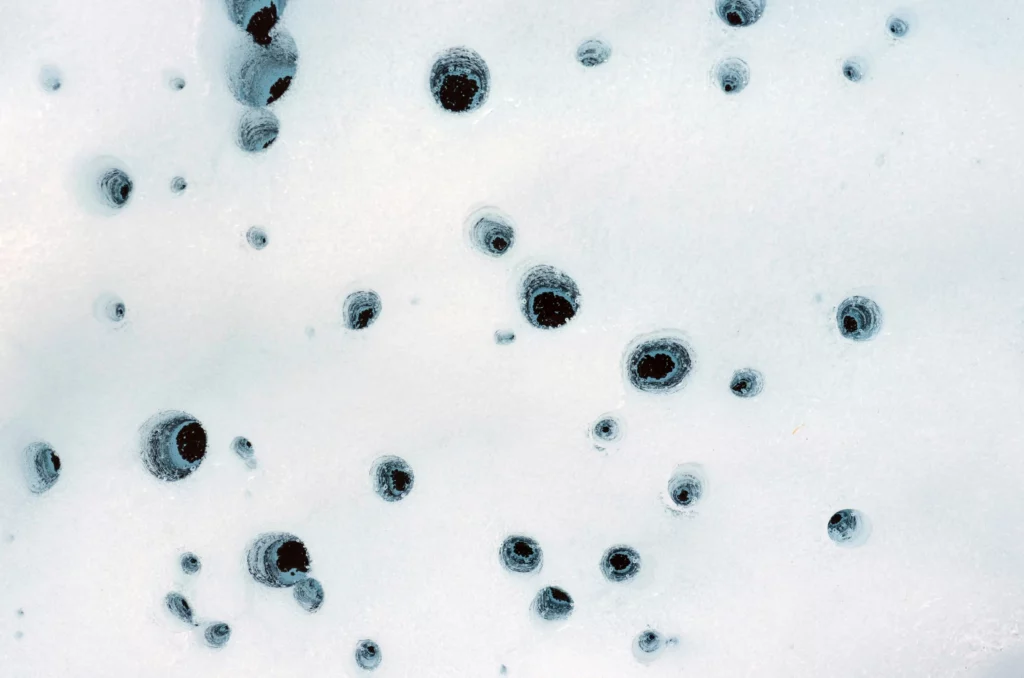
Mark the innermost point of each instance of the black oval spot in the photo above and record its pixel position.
(43, 467)
(897, 26)
(548, 297)
(746, 383)
(740, 12)
(217, 634)
(115, 187)
(853, 70)
(50, 79)
(553, 603)
(257, 237)
(686, 487)
(460, 80)
(503, 337)
(368, 655)
(521, 554)
(190, 563)
(361, 309)
(178, 185)
(309, 594)
(658, 364)
(859, 318)
(492, 233)
(278, 559)
(592, 53)
(620, 563)
(177, 83)
(257, 130)
(847, 527)
(179, 607)
(173, 445)
(732, 75)
(259, 76)
(606, 430)
(393, 478)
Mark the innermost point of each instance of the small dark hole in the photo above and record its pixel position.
(560, 595)
(55, 460)
(261, 24)
(278, 89)
(734, 18)
(620, 561)
(457, 92)
(292, 555)
(522, 549)
(191, 442)
(499, 244)
(552, 310)
(401, 480)
(657, 366)
(364, 318)
(849, 323)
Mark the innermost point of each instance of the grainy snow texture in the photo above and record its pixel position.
(157, 257)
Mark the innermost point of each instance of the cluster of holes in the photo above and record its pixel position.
(175, 443)
(261, 70)
(215, 634)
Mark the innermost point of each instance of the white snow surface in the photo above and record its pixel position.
(740, 221)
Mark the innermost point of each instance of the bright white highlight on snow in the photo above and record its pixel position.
(735, 362)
